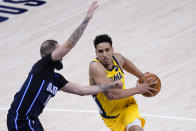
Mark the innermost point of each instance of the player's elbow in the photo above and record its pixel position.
(63, 50)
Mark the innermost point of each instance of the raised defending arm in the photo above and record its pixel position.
(60, 52)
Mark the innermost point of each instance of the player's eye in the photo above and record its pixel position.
(107, 49)
(100, 51)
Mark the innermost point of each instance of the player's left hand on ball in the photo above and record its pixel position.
(141, 79)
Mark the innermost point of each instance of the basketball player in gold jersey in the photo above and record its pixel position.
(117, 107)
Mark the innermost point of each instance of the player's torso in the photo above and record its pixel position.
(111, 108)
(34, 95)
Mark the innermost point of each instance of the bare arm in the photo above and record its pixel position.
(98, 75)
(60, 52)
(129, 66)
(88, 90)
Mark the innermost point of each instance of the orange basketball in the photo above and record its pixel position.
(152, 78)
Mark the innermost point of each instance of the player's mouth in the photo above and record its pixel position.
(106, 60)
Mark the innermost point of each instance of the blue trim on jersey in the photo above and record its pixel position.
(29, 122)
(21, 102)
(118, 64)
(111, 68)
(36, 96)
(107, 69)
(56, 75)
(102, 111)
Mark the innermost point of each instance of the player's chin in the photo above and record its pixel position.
(105, 64)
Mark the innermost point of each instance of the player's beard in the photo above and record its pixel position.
(107, 64)
(59, 65)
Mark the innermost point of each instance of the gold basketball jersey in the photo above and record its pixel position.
(112, 108)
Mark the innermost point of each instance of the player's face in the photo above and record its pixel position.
(104, 53)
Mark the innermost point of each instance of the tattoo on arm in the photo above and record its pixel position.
(104, 87)
(79, 31)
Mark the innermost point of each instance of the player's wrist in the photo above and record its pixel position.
(141, 77)
(104, 88)
(135, 90)
(138, 88)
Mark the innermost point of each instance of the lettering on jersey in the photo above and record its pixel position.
(9, 9)
(116, 77)
(52, 89)
(116, 68)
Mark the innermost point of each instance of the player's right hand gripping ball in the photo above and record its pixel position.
(152, 78)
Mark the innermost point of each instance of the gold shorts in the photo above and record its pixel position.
(127, 115)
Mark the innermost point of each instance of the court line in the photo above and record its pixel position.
(91, 111)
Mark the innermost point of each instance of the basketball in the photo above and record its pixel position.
(152, 78)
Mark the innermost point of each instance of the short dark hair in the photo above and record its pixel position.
(47, 47)
(102, 38)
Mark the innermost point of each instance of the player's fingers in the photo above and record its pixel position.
(116, 84)
(152, 83)
(147, 73)
(152, 89)
(97, 5)
(149, 92)
(94, 4)
(120, 84)
(148, 80)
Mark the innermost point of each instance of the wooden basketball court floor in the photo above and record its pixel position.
(159, 36)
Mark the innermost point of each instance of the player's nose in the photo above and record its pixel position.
(104, 54)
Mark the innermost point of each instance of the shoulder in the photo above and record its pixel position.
(96, 67)
(59, 80)
(57, 75)
(120, 58)
(43, 64)
(45, 60)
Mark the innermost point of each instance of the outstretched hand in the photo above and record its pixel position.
(92, 9)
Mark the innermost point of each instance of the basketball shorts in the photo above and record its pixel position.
(127, 115)
(23, 124)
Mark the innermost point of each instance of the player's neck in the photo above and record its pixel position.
(109, 66)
